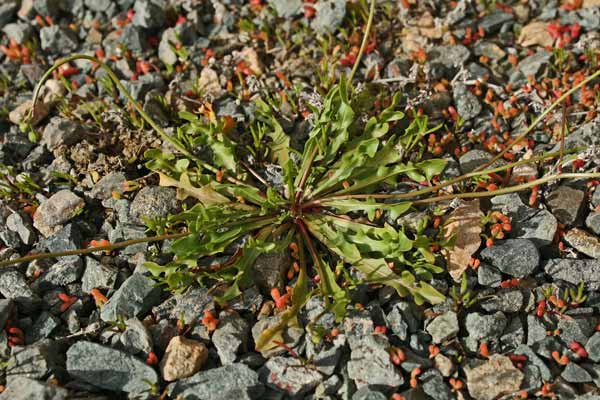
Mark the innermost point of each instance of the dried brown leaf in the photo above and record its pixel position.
(464, 224)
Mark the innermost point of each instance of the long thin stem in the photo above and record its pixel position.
(416, 193)
(115, 79)
(305, 175)
(510, 189)
(89, 250)
(315, 257)
(541, 117)
(365, 40)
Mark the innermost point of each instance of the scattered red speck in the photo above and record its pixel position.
(130, 14)
(152, 359)
(181, 20)
(209, 320)
(99, 298)
(67, 300)
(541, 308)
(579, 349)
(380, 330)
(309, 11)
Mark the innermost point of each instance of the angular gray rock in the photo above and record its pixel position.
(289, 375)
(152, 202)
(583, 242)
(482, 326)
(329, 15)
(494, 378)
(149, 14)
(227, 382)
(286, 8)
(136, 339)
(573, 373)
(135, 297)
(109, 183)
(515, 257)
(22, 388)
(443, 327)
(35, 361)
(535, 224)
(58, 39)
(97, 276)
(57, 210)
(109, 369)
(575, 271)
(370, 363)
(61, 132)
(231, 336)
(593, 347)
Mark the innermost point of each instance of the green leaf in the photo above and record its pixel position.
(280, 142)
(368, 206)
(341, 298)
(432, 167)
(206, 194)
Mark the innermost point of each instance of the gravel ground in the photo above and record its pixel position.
(97, 326)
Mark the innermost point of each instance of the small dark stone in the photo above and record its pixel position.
(13, 285)
(68, 238)
(566, 204)
(370, 363)
(532, 357)
(134, 39)
(473, 159)
(187, 306)
(270, 269)
(467, 104)
(536, 330)
(43, 327)
(6, 309)
(575, 329)
(107, 185)
(537, 225)
(492, 23)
